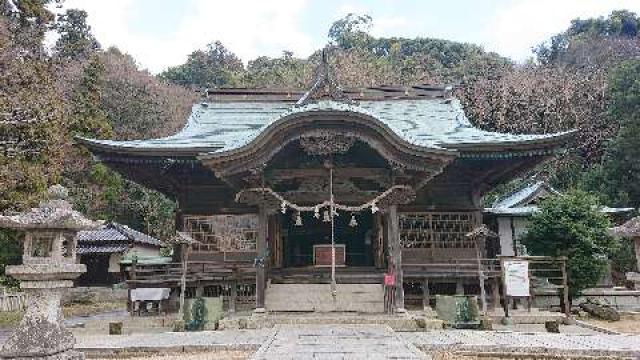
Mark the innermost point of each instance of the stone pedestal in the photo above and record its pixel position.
(634, 278)
(41, 334)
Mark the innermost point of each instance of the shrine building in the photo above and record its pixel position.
(267, 180)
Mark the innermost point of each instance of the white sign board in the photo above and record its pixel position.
(516, 277)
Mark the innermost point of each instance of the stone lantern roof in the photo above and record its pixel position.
(54, 213)
(630, 229)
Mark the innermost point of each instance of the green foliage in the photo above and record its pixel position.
(617, 179)
(214, 67)
(88, 118)
(285, 71)
(623, 260)
(585, 41)
(137, 104)
(571, 225)
(76, 40)
(10, 254)
(198, 315)
(352, 31)
(107, 196)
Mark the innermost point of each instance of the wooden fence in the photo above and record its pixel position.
(12, 301)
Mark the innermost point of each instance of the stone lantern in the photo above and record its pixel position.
(48, 268)
(631, 230)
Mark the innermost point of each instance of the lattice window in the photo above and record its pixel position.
(437, 229)
(223, 233)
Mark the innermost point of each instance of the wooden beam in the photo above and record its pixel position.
(285, 174)
(393, 229)
(261, 261)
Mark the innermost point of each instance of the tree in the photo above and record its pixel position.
(351, 31)
(282, 72)
(214, 67)
(571, 225)
(88, 118)
(76, 41)
(621, 166)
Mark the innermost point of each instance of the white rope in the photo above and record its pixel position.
(329, 203)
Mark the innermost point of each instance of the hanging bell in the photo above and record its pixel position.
(298, 219)
(326, 217)
(283, 207)
(316, 212)
(374, 208)
(353, 222)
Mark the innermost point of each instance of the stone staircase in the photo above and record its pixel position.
(361, 298)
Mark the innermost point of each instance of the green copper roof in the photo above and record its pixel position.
(222, 126)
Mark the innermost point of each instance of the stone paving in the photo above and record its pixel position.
(499, 341)
(175, 341)
(369, 342)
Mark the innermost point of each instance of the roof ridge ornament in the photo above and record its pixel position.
(325, 84)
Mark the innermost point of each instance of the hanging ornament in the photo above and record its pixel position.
(316, 212)
(326, 217)
(374, 208)
(353, 222)
(283, 207)
(298, 219)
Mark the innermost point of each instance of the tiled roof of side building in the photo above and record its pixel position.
(227, 125)
(115, 233)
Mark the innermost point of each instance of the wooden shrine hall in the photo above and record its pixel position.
(320, 193)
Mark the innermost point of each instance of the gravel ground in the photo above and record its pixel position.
(629, 326)
(217, 355)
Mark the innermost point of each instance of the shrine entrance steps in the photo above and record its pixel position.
(404, 322)
(361, 298)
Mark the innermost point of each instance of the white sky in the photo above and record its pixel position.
(161, 33)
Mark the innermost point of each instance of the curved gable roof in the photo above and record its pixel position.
(223, 126)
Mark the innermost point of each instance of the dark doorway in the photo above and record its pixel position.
(97, 270)
(359, 240)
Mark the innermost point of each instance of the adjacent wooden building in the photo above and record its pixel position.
(256, 171)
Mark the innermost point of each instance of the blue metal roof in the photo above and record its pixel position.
(522, 201)
(222, 126)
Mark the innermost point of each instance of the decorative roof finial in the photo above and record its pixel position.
(325, 84)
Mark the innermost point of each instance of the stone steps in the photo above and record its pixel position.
(403, 322)
(361, 298)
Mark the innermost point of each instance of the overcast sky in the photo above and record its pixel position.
(161, 33)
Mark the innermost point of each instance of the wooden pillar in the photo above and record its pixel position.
(480, 245)
(183, 278)
(393, 229)
(131, 285)
(425, 294)
(495, 294)
(233, 296)
(261, 263)
(565, 288)
(636, 241)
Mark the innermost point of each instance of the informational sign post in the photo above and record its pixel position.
(516, 278)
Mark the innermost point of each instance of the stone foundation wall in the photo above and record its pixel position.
(96, 294)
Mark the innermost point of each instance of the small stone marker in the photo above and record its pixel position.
(552, 326)
(115, 328)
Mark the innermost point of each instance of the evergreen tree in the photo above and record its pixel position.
(214, 67)
(88, 118)
(572, 225)
(76, 41)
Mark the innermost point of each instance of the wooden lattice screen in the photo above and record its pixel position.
(223, 233)
(445, 230)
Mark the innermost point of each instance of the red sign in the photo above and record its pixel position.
(389, 280)
(322, 255)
